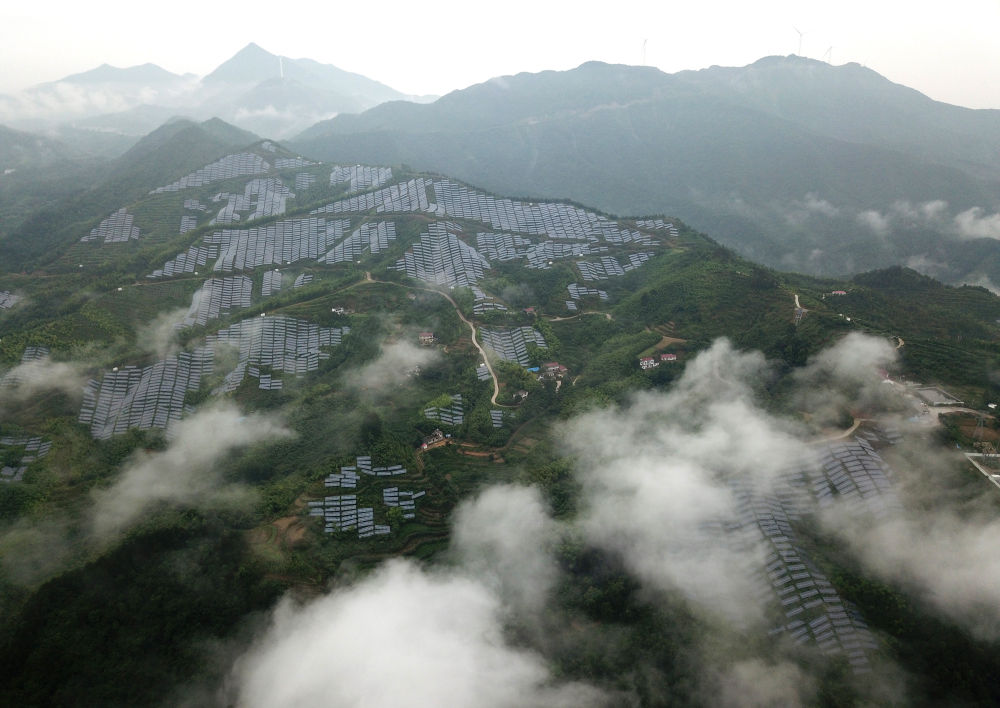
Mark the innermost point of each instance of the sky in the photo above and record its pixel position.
(947, 51)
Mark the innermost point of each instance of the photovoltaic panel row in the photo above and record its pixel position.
(117, 228)
(281, 343)
(441, 258)
(279, 243)
(229, 167)
(148, 397)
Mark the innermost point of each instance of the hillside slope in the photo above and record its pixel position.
(792, 162)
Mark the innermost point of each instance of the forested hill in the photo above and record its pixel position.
(792, 162)
(232, 374)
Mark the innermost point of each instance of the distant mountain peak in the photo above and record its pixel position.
(251, 64)
(106, 73)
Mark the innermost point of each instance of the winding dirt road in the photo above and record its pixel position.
(458, 311)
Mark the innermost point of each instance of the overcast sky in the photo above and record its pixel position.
(950, 51)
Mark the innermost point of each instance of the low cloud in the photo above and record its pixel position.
(929, 211)
(503, 536)
(32, 549)
(874, 220)
(983, 282)
(976, 223)
(657, 476)
(32, 378)
(394, 365)
(846, 377)
(186, 472)
(816, 205)
(755, 683)
(159, 336)
(950, 560)
(409, 636)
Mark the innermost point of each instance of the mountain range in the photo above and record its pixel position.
(586, 460)
(254, 89)
(793, 162)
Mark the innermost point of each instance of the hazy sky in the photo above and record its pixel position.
(948, 51)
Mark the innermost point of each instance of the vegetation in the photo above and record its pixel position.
(128, 621)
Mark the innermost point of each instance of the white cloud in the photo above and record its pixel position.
(656, 480)
(32, 378)
(503, 537)
(400, 637)
(875, 221)
(816, 205)
(394, 365)
(186, 472)
(976, 223)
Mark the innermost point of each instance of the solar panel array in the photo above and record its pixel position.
(813, 609)
(558, 221)
(507, 247)
(577, 291)
(373, 236)
(186, 262)
(502, 247)
(285, 163)
(512, 344)
(627, 236)
(393, 497)
(281, 343)
(230, 166)
(303, 280)
(342, 513)
(261, 197)
(217, 297)
(496, 416)
(117, 228)
(541, 254)
(13, 379)
(281, 242)
(304, 181)
(657, 225)
(442, 258)
(609, 267)
(8, 299)
(404, 197)
(361, 177)
(452, 415)
(34, 449)
(194, 205)
(483, 373)
(854, 470)
(484, 303)
(271, 283)
(188, 223)
(150, 397)
(365, 466)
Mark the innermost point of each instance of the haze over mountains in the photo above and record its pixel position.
(256, 90)
(283, 432)
(793, 162)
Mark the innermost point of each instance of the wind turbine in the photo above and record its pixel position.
(801, 33)
(828, 57)
(644, 51)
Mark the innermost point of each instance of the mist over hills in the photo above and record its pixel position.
(277, 431)
(793, 162)
(274, 429)
(254, 89)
